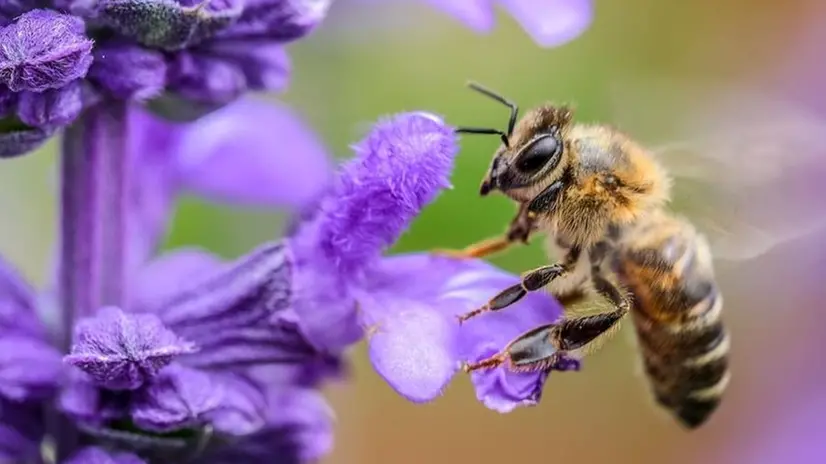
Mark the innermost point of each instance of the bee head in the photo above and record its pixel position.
(531, 150)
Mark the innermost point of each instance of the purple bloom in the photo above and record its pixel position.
(187, 357)
(191, 342)
(416, 344)
(52, 108)
(406, 305)
(147, 71)
(122, 352)
(183, 58)
(549, 23)
(227, 156)
(177, 399)
(299, 429)
(43, 50)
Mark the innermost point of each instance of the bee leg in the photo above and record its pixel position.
(551, 346)
(532, 351)
(520, 229)
(531, 281)
(600, 327)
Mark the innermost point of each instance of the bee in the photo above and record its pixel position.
(602, 199)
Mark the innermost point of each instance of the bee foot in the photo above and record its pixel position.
(485, 364)
(463, 317)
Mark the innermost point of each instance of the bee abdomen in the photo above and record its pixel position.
(687, 363)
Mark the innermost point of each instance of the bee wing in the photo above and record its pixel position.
(749, 169)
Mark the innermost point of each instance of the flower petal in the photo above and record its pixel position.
(95, 455)
(155, 186)
(265, 66)
(160, 279)
(205, 79)
(128, 71)
(43, 50)
(122, 351)
(17, 303)
(412, 347)
(89, 405)
(29, 368)
(230, 155)
(17, 139)
(299, 429)
(52, 108)
(234, 347)
(243, 409)
(278, 20)
(425, 294)
(246, 291)
(551, 23)
(178, 398)
(21, 430)
(238, 315)
(475, 14)
(400, 167)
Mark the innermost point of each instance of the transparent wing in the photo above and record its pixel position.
(749, 169)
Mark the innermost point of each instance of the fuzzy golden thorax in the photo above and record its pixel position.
(606, 178)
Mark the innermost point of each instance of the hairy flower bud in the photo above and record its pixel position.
(43, 50)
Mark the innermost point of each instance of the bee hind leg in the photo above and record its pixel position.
(532, 351)
(547, 347)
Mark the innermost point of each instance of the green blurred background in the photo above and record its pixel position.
(375, 59)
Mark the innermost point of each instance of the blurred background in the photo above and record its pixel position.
(374, 58)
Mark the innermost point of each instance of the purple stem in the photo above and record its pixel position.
(114, 186)
(80, 227)
(91, 272)
(93, 231)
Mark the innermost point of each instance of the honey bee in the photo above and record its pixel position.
(602, 200)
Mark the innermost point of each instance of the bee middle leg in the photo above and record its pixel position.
(551, 346)
(531, 281)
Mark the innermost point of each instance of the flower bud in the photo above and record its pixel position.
(43, 50)
(169, 24)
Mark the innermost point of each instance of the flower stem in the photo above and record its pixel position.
(93, 213)
(93, 233)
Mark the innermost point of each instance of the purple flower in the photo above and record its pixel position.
(416, 344)
(299, 429)
(549, 23)
(43, 50)
(187, 357)
(192, 342)
(183, 58)
(122, 352)
(227, 156)
(406, 305)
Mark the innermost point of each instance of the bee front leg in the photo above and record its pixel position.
(531, 281)
(520, 229)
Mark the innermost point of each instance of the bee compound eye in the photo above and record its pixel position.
(539, 154)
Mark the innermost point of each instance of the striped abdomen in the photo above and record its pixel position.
(677, 315)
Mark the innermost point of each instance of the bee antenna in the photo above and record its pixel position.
(496, 96)
(483, 130)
